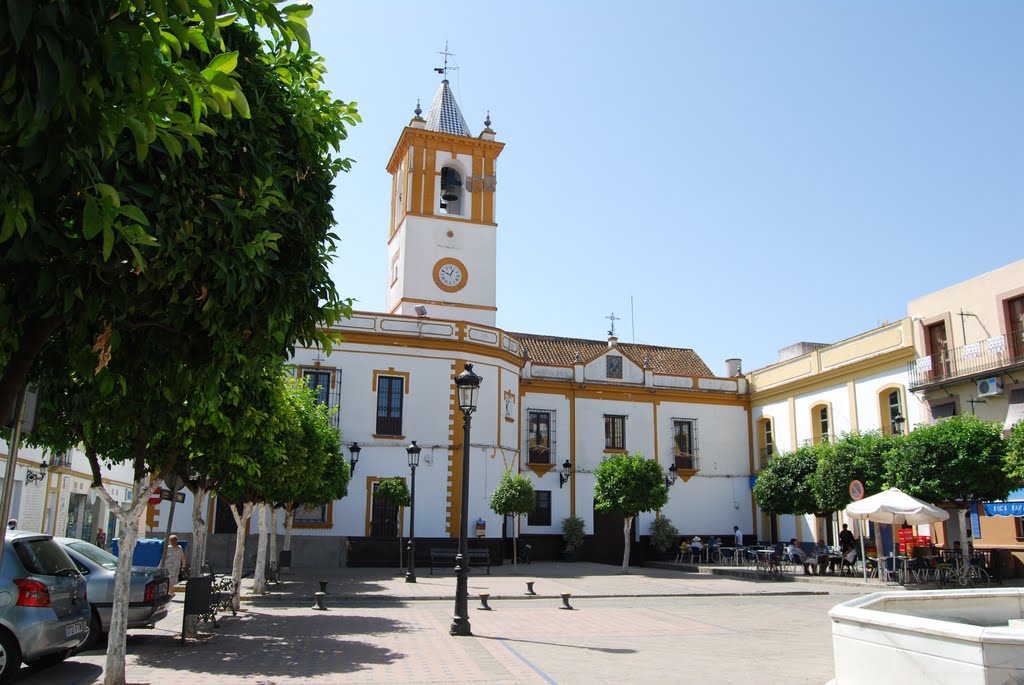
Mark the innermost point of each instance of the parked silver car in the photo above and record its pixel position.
(44, 609)
(148, 600)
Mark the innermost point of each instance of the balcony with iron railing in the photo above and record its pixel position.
(975, 360)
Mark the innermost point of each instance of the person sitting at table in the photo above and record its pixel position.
(696, 548)
(712, 542)
(798, 556)
(849, 559)
(821, 557)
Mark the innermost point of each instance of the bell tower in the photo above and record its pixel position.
(443, 234)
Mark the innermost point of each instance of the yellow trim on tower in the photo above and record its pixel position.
(453, 493)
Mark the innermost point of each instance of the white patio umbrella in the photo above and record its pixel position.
(894, 507)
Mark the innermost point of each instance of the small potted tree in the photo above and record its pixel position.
(664, 538)
(572, 536)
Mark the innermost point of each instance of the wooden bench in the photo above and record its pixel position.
(444, 557)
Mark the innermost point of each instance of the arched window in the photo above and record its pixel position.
(451, 191)
(891, 413)
(821, 424)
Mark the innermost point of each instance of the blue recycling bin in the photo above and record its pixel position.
(147, 550)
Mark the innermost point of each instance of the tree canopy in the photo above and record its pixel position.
(958, 459)
(514, 496)
(785, 485)
(151, 156)
(855, 456)
(629, 484)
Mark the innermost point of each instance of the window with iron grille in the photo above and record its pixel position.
(541, 437)
(614, 432)
(541, 515)
(319, 381)
(389, 405)
(684, 443)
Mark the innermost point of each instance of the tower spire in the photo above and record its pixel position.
(444, 70)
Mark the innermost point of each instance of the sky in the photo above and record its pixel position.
(731, 177)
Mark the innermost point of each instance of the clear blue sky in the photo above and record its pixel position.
(751, 174)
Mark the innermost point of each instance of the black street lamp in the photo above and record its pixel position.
(355, 449)
(563, 475)
(468, 384)
(897, 424)
(413, 451)
(670, 477)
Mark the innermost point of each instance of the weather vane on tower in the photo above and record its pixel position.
(611, 317)
(444, 70)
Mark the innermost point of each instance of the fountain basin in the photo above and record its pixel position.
(939, 637)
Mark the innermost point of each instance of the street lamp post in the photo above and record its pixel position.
(413, 451)
(467, 383)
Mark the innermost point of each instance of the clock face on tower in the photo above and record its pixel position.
(450, 275)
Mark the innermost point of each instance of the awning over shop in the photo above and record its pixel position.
(1012, 506)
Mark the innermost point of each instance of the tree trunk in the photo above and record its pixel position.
(190, 628)
(515, 541)
(259, 576)
(21, 359)
(626, 530)
(198, 532)
(236, 564)
(272, 555)
(114, 668)
(289, 519)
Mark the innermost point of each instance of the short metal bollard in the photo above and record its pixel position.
(318, 598)
(565, 600)
(529, 587)
(484, 606)
(323, 586)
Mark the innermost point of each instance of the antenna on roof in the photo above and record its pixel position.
(445, 69)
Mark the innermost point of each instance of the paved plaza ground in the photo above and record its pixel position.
(652, 625)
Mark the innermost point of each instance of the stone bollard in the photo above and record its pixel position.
(323, 586)
(565, 600)
(318, 597)
(529, 587)
(483, 602)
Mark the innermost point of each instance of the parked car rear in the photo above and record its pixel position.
(44, 606)
(149, 597)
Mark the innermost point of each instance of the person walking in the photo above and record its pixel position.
(101, 538)
(174, 559)
(738, 535)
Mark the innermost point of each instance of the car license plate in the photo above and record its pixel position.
(74, 628)
(161, 590)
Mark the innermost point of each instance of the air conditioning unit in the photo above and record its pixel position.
(989, 387)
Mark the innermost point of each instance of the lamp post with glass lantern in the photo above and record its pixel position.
(468, 384)
(413, 451)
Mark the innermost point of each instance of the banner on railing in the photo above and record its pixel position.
(996, 345)
(972, 351)
(924, 364)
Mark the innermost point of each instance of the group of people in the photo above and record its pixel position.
(824, 560)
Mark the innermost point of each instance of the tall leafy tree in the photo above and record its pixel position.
(139, 325)
(395, 492)
(955, 461)
(1015, 454)
(629, 484)
(514, 496)
(854, 456)
(785, 485)
(99, 101)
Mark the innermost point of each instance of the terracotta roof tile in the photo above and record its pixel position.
(547, 349)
